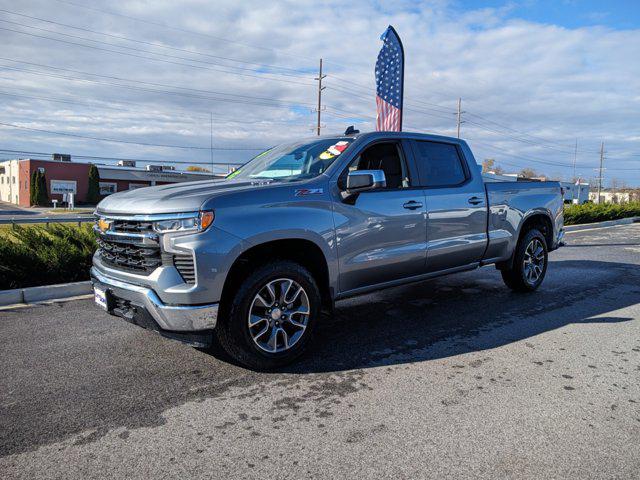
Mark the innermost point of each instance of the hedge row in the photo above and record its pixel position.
(593, 212)
(37, 255)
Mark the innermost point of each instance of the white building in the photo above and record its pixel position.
(9, 181)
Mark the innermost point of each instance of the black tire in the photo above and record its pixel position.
(234, 333)
(518, 277)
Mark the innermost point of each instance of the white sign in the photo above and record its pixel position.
(64, 186)
(134, 186)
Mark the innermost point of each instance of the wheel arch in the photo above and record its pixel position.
(300, 250)
(540, 219)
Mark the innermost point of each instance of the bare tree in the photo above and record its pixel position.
(528, 173)
(489, 165)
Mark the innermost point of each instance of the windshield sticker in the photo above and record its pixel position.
(334, 150)
(303, 192)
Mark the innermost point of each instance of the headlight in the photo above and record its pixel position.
(197, 223)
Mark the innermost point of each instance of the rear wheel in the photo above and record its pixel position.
(529, 264)
(271, 317)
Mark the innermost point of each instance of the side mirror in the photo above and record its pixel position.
(363, 180)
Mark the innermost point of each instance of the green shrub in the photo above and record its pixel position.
(32, 256)
(593, 212)
(32, 187)
(93, 193)
(38, 194)
(42, 199)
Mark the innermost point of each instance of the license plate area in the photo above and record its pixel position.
(101, 297)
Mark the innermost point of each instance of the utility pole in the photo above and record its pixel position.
(211, 139)
(575, 157)
(577, 185)
(320, 88)
(459, 115)
(600, 175)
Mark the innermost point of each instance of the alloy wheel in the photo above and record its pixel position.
(278, 315)
(533, 263)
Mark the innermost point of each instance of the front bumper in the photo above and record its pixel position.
(142, 300)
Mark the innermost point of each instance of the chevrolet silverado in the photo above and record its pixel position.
(253, 258)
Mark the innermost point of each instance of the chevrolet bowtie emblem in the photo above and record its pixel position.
(104, 225)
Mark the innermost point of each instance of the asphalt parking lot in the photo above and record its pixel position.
(452, 378)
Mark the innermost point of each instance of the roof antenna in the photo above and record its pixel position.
(351, 130)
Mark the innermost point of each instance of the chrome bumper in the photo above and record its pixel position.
(177, 318)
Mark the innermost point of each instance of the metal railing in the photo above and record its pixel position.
(79, 219)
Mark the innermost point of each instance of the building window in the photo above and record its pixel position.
(13, 180)
(107, 188)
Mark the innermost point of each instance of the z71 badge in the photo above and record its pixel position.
(302, 192)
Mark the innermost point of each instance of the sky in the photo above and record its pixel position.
(162, 81)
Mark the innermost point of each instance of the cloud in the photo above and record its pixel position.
(529, 89)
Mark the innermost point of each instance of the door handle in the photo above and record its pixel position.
(412, 205)
(475, 200)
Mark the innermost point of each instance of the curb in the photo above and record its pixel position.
(46, 292)
(608, 223)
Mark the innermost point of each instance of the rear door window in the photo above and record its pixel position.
(439, 164)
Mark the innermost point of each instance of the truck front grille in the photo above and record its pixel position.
(135, 258)
(132, 226)
(184, 265)
(130, 245)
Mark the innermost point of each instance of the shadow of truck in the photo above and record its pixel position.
(466, 313)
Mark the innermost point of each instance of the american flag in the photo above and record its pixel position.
(389, 79)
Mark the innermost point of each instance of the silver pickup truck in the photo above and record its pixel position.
(255, 257)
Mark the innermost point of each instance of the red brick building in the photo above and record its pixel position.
(73, 177)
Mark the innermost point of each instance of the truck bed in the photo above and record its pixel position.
(509, 203)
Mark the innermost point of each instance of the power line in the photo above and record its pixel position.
(517, 139)
(158, 45)
(149, 58)
(371, 90)
(477, 124)
(543, 162)
(165, 26)
(511, 129)
(240, 98)
(541, 142)
(253, 70)
(417, 110)
(408, 104)
(66, 134)
(142, 160)
(196, 66)
(184, 30)
(150, 114)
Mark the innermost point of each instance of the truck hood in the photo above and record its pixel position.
(173, 198)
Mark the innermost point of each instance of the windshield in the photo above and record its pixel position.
(294, 161)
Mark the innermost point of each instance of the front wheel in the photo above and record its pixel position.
(529, 263)
(271, 317)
